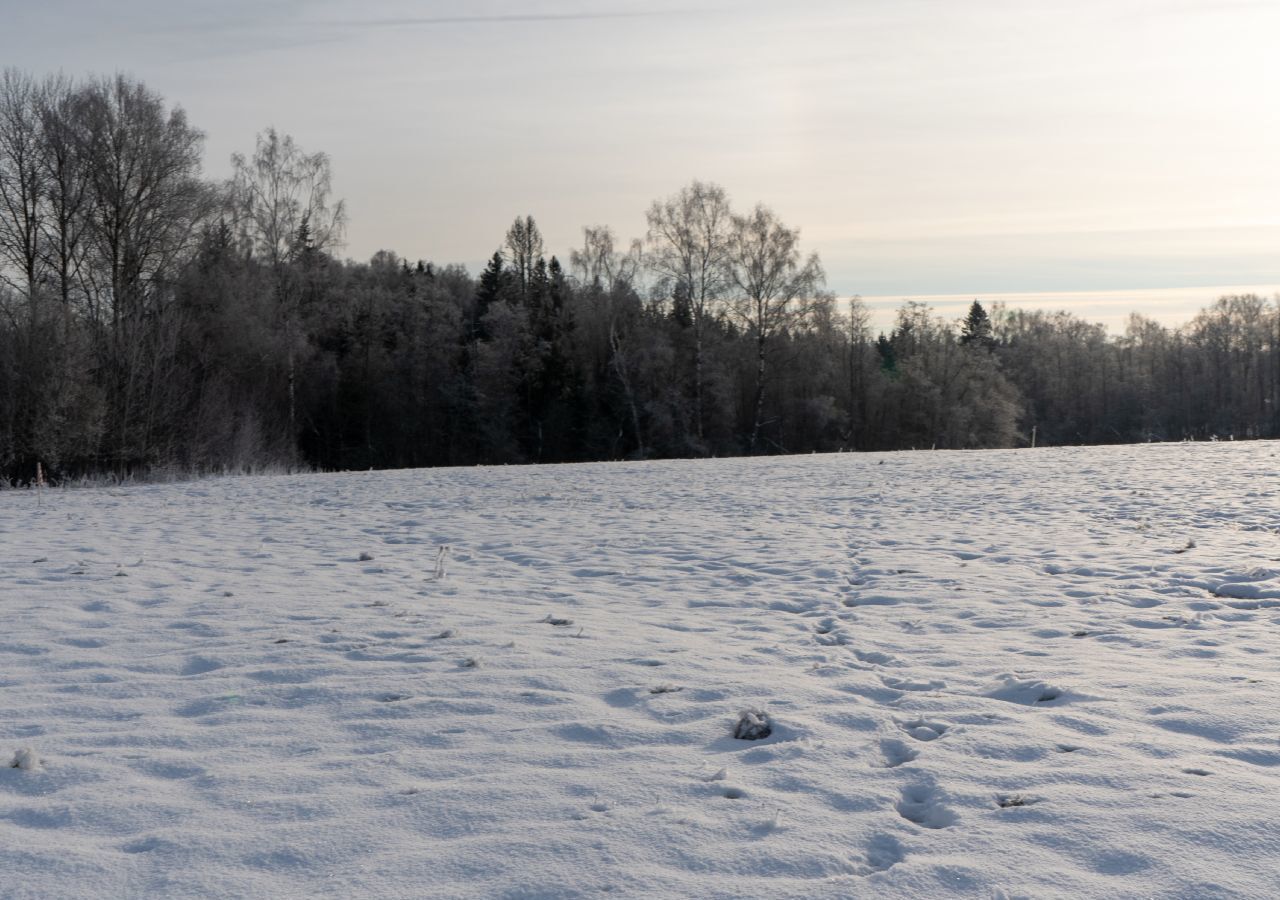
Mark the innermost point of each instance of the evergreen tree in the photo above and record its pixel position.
(303, 247)
(489, 292)
(557, 287)
(976, 330)
(888, 357)
(681, 305)
(538, 300)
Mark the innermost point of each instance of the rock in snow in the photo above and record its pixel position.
(26, 759)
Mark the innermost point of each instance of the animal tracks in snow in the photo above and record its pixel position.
(907, 684)
(924, 730)
(882, 853)
(1026, 691)
(896, 753)
(967, 658)
(923, 804)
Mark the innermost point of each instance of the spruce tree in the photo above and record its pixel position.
(488, 292)
(555, 274)
(977, 330)
(888, 358)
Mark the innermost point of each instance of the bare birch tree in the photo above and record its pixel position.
(523, 250)
(772, 282)
(67, 187)
(282, 193)
(610, 275)
(282, 207)
(22, 186)
(690, 244)
(145, 200)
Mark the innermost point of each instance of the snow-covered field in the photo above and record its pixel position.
(1047, 673)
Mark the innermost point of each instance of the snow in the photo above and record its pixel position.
(1041, 673)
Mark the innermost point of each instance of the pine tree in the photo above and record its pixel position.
(977, 330)
(489, 292)
(538, 300)
(558, 287)
(302, 246)
(681, 306)
(888, 357)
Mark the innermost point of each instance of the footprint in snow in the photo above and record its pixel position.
(1025, 691)
(829, 633)
(875, 658)
(1257, 756)
(199, 665)
(870, 600)
(145, 845)
(922, 730)
(883, 853)
(922, 804)
(896, 753)
(906, 684)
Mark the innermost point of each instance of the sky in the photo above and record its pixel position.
(923, 147)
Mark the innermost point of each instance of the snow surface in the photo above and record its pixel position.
(1043, 673)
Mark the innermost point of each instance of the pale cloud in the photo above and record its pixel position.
(922, 146)
(1112, 309)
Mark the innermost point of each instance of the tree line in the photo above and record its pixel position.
(153, 318)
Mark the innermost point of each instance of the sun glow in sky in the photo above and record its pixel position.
(923, 146)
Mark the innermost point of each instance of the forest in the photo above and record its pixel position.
(153, 320)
